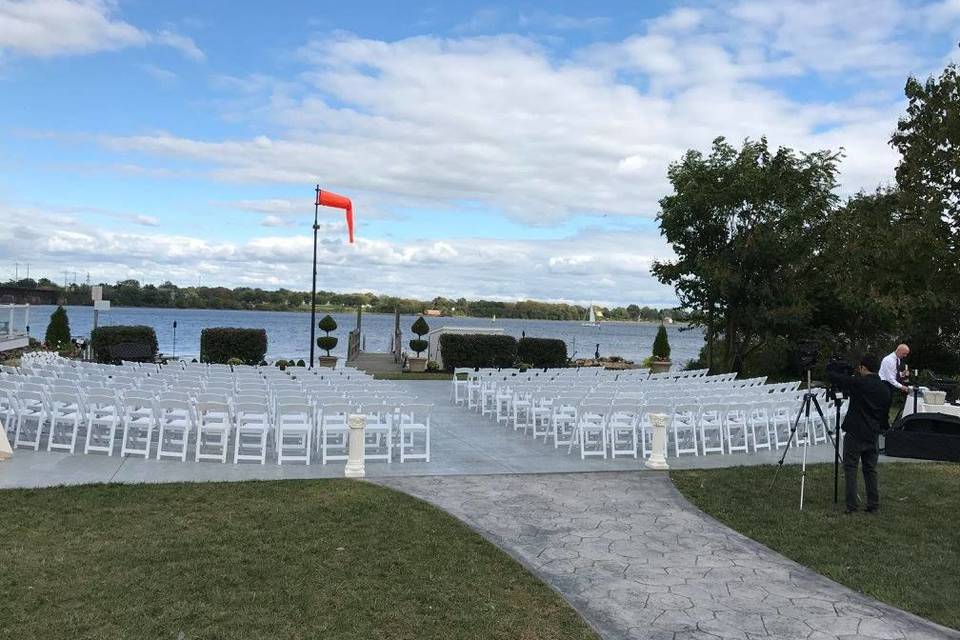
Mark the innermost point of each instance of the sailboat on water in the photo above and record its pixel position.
(591, 319)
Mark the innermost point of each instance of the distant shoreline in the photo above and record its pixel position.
(348, 310)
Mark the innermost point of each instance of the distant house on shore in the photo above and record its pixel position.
(668, 320)
(433, 313)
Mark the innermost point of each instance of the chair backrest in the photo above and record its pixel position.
(415, 413)
(214, 413)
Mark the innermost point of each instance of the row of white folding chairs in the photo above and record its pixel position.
(302, 432)
(174, 420)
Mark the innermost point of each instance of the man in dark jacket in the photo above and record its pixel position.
(867, 417)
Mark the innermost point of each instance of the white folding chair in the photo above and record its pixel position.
(32, 409)
(294, 432)
(334, 431)
(378, 434)
(103, 416)
(736, 425)
(139, 420)
(591, 429)
(414, 421)
(214, 424)
(176, 422)
(253, 428)
(622, 427)
(711, 424)
(686, 422)
(66, 414)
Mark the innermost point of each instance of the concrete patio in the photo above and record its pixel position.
(462, 443)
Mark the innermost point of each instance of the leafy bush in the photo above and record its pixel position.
(542, 353)
(420, 328)
(661, 345)
(102, 339)
(219, 344)
(477, 350)
(301, 363)
(433, 366)
(327, 342)
(233, 362)
(58, 331)
(280, 363)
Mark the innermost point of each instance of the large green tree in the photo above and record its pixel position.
(740, 222)
(928, 176)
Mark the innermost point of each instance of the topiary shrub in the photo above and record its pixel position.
(420, 328)
(542, 353)
(58, 331)
(327, 342)
(281, 363)
(661, 345)
(219, 344)
(104, 339)
(301, 363)
(477, 350)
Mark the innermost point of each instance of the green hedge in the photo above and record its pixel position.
(542, 353)
(103, 338)
(220, 344)
(477, 350)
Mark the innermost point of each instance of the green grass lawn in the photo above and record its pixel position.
(907, 556)
(293, 559)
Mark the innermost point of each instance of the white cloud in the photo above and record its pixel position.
(498, 121)
(163, 76)
(182, 43)
(46, 28)
(146, 221)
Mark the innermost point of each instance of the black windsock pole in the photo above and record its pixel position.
(313, 289)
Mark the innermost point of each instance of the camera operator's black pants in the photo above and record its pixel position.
(856, 451)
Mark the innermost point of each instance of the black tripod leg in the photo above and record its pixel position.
(805, 407)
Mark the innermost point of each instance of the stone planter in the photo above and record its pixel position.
(417, 365)
(660, 366)
(327, 361)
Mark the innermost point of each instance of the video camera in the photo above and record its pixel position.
(838, 365)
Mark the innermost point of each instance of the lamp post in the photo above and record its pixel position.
(313, 288)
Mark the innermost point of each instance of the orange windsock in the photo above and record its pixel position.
(331, 199)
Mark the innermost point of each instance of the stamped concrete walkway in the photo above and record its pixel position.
(638, 561)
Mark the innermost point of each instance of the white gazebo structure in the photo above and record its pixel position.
(14, 320)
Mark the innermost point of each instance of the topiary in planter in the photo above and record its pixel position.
(420, 328)
(301, 363)
(327, 342)
(661, 345)
(58, 331)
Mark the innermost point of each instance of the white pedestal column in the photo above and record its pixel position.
(354, 468)
(5, 450)
(658, 452)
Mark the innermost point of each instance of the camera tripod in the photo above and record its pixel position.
(810, 400)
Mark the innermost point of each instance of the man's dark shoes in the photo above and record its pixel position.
(848, 510)
(873, 509)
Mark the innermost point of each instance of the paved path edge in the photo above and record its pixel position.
(612, 629)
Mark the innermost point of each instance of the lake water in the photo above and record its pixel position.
(288, 333)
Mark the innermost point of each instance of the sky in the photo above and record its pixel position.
(501, 151)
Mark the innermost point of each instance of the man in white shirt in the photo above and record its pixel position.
(890, 367)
